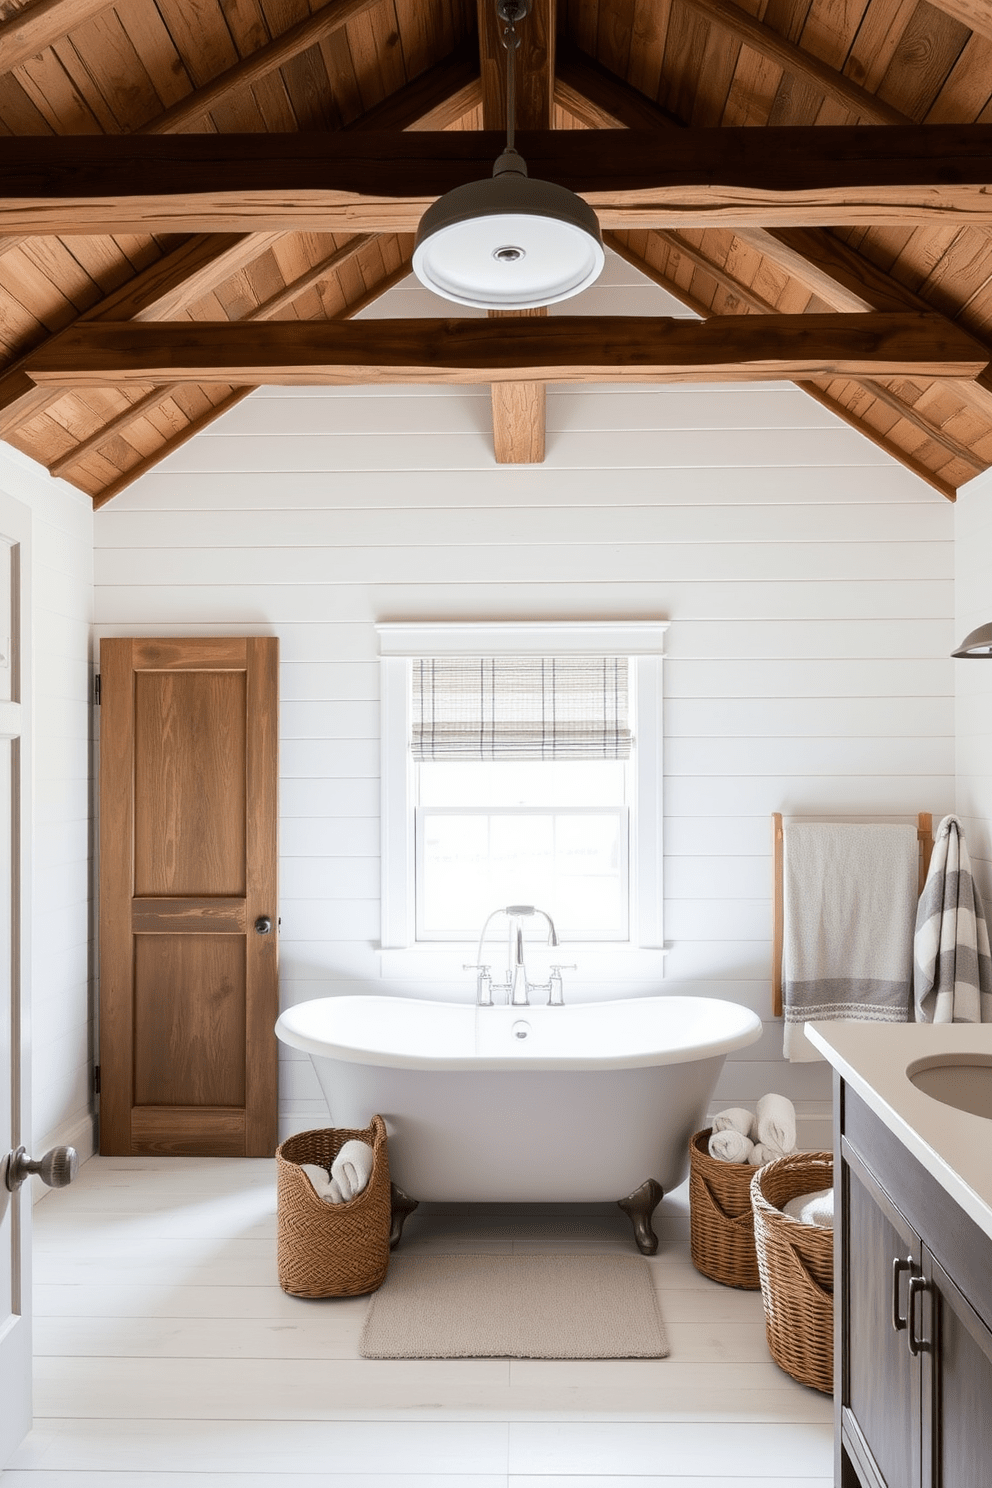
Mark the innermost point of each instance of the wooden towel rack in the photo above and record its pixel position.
(924, 833)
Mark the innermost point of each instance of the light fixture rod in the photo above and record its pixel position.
(511, 11)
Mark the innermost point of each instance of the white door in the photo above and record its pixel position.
(15, 837)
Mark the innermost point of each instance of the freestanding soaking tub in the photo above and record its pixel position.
(588, 1102)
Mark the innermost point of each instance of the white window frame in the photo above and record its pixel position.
(400, 642)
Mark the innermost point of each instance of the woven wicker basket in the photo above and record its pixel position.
(721, 1228)
(332, 1250)
(796, 1263)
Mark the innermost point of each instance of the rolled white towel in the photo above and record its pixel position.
(353, 1168)
(776, 1123)
(729, 1145)
(813, 1208)
(327, 1189)
(763, 1152)
(735, 1118)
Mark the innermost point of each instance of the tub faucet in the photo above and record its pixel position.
(517, 985)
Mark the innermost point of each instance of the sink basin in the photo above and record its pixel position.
(960, 1080)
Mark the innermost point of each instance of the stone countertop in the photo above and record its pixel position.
(954, 1146)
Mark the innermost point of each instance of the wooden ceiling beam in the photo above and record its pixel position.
(975, 14)
(559, 349)
(757, 303)
(331, 17)
(37, 27)
(158, 292)
(770, 43)
(371, 182)
(519, 409)
(268, 310)
(204, 262)
(812, 388)
(830, 269)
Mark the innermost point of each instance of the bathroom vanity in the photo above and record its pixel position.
(913, 1254)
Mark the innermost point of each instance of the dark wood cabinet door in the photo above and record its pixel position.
(957, 1386)
(188, 864)
(880, 1381)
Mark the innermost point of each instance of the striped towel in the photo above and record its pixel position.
(850, 901)
(952, 972)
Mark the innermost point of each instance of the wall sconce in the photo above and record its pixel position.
(977, 644)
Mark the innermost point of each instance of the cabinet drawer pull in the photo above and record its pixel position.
(898, 1267)
(917, 1286)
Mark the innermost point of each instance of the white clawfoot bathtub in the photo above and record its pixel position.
(578, 1103)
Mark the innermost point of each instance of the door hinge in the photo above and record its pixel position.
(96, 689)
(96, 1079)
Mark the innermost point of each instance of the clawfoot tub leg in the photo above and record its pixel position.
(639, 1207)
(402, 1207)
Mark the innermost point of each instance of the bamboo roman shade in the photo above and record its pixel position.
(520, 708)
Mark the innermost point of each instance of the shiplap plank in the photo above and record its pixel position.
(816, 678)
(496, 563)
(810, 756)
(371, 489)
(581, 450)
(275, 531)
(641, 408)
(815, 717)
(307, 604)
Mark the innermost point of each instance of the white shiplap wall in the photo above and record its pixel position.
(973, 679)
(62, 979)
(809, 581)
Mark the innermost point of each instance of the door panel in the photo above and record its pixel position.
(957, 1378)
(189, 996)
(881, 1389)
(189, 749)
(188, 855)
(15, 836)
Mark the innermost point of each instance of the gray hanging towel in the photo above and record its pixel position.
(952, 972)
(850, 896)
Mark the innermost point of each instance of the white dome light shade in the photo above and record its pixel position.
(508, 243)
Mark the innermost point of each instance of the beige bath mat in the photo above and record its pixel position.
(515, 1306)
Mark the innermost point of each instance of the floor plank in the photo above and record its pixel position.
(168, 1357)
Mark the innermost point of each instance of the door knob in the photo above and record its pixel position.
(57, 1168)
(263, 925)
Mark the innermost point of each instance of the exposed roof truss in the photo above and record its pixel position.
(132, 249)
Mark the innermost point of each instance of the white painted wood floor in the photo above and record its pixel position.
(167, 1357)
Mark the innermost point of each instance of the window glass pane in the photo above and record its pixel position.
(522, 783)
(572, 864)
(522, 863)
(455, 889)
(588, 844)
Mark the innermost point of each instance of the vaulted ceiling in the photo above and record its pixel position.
(860, 258)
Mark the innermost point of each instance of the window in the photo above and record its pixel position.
(521, 763)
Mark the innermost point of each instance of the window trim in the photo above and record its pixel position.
(400, 642)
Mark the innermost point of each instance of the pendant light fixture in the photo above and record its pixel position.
(508, 242)
(978, 644)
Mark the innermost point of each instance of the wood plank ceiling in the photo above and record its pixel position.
(245, 67)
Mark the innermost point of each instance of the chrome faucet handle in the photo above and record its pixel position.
(556, 990)
(483, 983)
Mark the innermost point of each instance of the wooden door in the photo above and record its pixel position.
(188, 914)
(15, 831)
